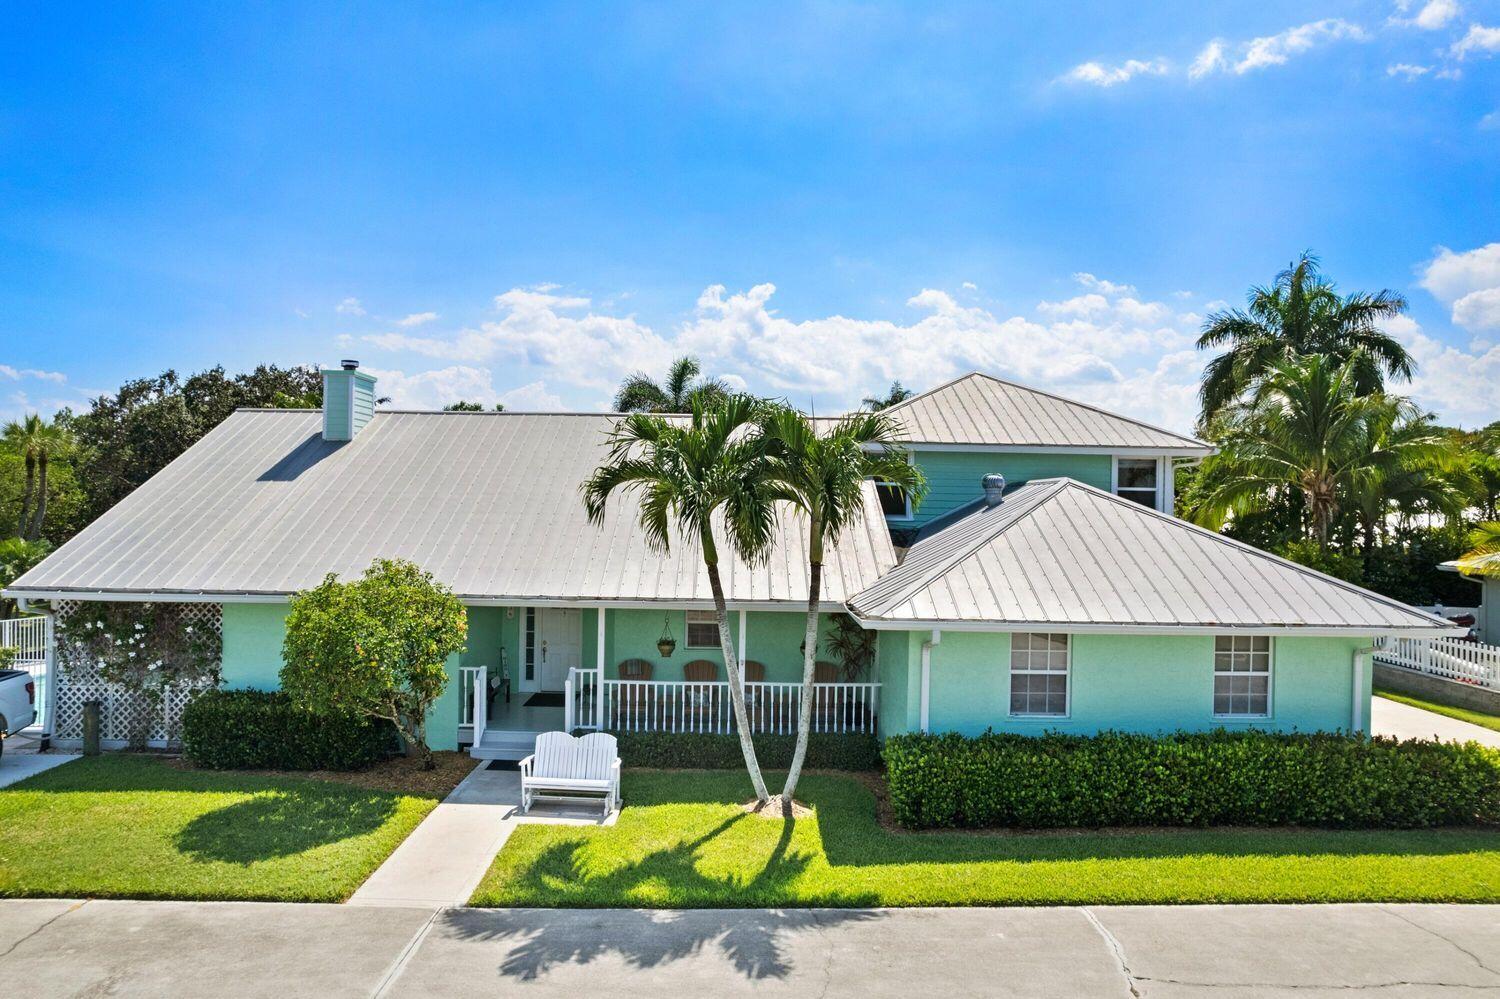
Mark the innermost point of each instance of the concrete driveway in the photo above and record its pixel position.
(206, 950)
(1403, 721)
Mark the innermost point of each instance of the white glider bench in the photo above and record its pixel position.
(564, 766)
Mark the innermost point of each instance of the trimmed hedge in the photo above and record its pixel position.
(1188, 779)
(264, 730)
(704, 751)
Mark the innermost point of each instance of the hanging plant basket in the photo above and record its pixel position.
(666, 644)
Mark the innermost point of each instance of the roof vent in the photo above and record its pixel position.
(348, 365)
(994, 488)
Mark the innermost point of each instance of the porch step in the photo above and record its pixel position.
(504, 745)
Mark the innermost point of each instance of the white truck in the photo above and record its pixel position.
(17, 702)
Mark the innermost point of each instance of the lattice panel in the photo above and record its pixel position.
(125, 715)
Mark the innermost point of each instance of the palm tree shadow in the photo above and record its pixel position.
(753, 940)
(281, 823)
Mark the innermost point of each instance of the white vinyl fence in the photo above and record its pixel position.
(31, 637)
(1450, 658)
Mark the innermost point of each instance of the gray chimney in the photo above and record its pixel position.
(994, 488)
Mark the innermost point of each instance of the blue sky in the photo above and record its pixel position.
(523, 204)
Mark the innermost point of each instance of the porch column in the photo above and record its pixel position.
(599, 680)
(742, 651)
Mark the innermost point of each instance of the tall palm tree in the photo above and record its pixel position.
(687, 479)
(38, 443)
(1308, 429)
(898, 394)
(1301, 314)
(1483, 556)
(823, 475)
(54, 442)
(641, 394)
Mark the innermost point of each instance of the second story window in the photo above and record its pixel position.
(894, 501)
(1136, 479)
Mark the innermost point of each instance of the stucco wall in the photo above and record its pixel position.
(773, 638)
(953, 476)
(1138, 683)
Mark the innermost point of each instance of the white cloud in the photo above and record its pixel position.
(1491, 120)
(18, 374)
(1208, 61)
(1450, 276)
(417, 319)
(434, 389)
(1102, 286)
(1275, 50)
(1433, 15)
(1480, 39)
(350, 307)
(969, 286)
(1099, 75)
(1406, 70)
(1457, 384)
(532, 397)
(1478, 310)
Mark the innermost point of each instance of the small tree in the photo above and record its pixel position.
(377, 646)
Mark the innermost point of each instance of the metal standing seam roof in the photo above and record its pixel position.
(980, 409)
(487, 502)
(1061, 554)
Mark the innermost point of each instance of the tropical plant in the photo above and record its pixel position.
(1307, 429)
(16, 557)
(38, 443)
(1483, 556)
(691, 479)
(683, 387)
(824, 475)
(464, 406)
(1301, 314)
(852, 645)
(377, 646)
(897, 393)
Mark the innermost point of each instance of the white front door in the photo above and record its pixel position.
(559, 645)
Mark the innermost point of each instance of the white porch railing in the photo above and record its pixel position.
(1451, 658)
(474, 704)
(32, 638)
(690, 706)
(467, 675)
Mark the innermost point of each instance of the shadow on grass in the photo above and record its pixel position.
(753, 940)
(282, 823)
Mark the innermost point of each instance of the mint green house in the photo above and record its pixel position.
(1044, 584)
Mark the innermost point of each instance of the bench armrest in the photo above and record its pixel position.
(527, 764)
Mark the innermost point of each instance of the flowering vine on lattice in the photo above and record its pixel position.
(142, 646)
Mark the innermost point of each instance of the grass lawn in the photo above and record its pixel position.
(683, 841)
(124, 826)
(1462, 714)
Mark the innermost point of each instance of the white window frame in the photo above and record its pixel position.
(1163, 469)
(1011, 673)
(700, 617)
(1270, 675)
(909, 514)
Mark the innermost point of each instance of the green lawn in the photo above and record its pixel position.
(122, 826)
(1462, 714)
(681, 841)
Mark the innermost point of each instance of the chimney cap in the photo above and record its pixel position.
(349, 364)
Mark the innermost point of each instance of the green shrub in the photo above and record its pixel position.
(264, 730)
(703, 751)
(1188, 779)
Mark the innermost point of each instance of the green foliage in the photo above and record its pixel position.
(705, 751)
(853, 646)
(141, 646)
(1350, 568)
(678, 394)
(8, 654)
(266, 730)
(376, 646)
(1188, 779)
(17, 557)
(464, 406)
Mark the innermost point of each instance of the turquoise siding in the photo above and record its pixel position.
(899, 667)
(341, 420)
(1139, 683)
(773, 638)
(953, 476)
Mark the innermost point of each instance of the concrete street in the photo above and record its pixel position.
(206, 950)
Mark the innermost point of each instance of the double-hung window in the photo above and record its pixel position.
(702, 629)
(1242, 676)
(1136, 479)
(1039, 674)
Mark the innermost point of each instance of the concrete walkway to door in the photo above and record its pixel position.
(443, 859)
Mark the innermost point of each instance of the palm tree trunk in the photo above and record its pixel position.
(809, 666)
(22, 526)
(41, 497)
(732, 667)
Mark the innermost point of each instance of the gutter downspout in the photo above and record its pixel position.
(1357, 709)
(936, 639)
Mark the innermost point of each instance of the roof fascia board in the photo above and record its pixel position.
(1153, 629)
(1144, 452)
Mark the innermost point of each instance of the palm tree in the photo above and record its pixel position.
(687, 478)
(823, 475)
(1308, 429)
(37, 442)
(1483, 556)
(641, 394)
(1301, 314)
(898, 394)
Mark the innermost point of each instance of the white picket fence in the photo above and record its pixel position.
(1450, 658)
(705, 706)
(31, 637)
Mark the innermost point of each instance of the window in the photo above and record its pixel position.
(1242, 676)
(1135, 479)
(1038, 674)
(530, 643)
(894, 502)
(702, 630)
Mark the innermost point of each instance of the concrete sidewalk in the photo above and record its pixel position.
(209, 950)
(21, 759)
(1392, 718)
(443, 860)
